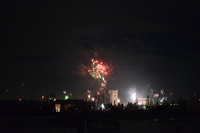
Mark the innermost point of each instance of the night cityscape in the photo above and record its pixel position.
(100, 66)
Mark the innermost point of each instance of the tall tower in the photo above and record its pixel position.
(113, 96)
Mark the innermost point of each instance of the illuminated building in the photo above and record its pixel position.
(113, 97)
(142, 101)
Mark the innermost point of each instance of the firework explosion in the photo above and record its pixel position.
(100, 70)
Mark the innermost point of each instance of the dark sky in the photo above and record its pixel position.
(153, 43)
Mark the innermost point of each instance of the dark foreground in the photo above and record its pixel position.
(42, 119)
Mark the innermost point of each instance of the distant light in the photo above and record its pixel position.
(57, 107)
(54, 99)
(64, 92)
(66, 97)
(42, 97)
(20, 99)
(102, 105)
(93, 99)
(88, 96)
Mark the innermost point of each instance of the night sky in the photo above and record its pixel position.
(150, 44)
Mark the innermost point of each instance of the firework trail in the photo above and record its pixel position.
(100, 70)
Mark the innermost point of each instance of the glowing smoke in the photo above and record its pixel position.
(133, 94)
